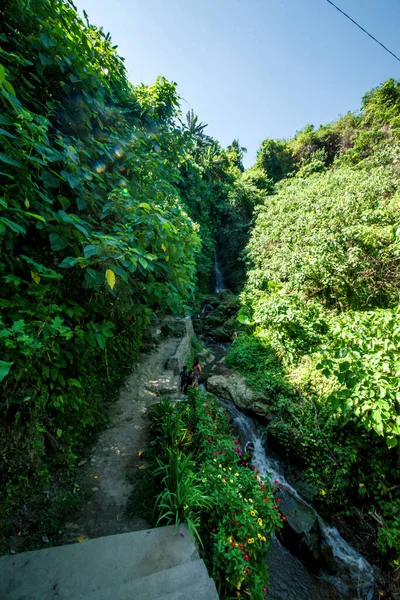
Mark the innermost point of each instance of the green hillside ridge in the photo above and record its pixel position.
(320, 309)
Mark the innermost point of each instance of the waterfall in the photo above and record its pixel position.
(219, 280)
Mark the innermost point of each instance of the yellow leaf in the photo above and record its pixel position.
(164, 247)
(110, 276)
(35, 277)
(95, 476)
(142, 467)
(140, 452)
(81, 538)
(323, 492)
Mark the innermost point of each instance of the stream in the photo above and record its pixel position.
(354, 578)
(343, 573)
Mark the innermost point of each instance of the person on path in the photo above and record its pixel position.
(183, 377)
(196, 371)
(189, 381)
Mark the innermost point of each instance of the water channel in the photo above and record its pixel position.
(352, 577)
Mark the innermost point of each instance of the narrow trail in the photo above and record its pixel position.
(116, 451)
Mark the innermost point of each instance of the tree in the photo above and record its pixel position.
(275, 158)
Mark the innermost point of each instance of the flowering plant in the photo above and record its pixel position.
(243, 513)
(240, 515)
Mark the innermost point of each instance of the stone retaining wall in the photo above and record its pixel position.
(176, 362)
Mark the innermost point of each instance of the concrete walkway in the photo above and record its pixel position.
(117, 451)
(154, 564)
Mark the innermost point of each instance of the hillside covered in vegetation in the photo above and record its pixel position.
(112, 203)
(320, 309)
(106, 195)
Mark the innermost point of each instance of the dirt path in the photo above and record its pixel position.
(116, 452)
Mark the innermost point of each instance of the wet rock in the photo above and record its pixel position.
(258, 407)
(329, 559)
(232, 387)
(300, 532)
(214, 321)
(307, 490)
(222, 335)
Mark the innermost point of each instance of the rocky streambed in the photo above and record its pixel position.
(309, 560)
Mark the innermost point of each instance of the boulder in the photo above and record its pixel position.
(222, 335)
(232, 387)
(300, 532)
(214, 320)
(205, 356)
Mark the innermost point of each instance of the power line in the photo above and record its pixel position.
(364, 30)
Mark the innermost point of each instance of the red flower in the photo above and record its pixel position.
(265, 590)
(213, 530)
(241, 546)
(262, 487)
(233, 544)
(283, 518)
(276, 482)
(266, 499)
(247, 570)
(246, 557)
(279, 500)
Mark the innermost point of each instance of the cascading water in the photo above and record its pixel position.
(219, 279)
(355, 577)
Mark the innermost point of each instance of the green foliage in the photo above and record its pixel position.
(364, 357)
(319, 316)
(293, 327)
(93, 234)
(209, 485)
(275, 158)
(182, 497)
(332, 236)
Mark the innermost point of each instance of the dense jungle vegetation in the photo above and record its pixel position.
(105, 219)
(320, 310)
(111, 204)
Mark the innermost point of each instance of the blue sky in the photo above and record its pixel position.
(253, 69)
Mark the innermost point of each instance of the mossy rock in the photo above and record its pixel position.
(214, 320)
(222, 335)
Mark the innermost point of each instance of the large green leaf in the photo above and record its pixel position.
(4, 368)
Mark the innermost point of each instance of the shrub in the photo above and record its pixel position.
(209, 485)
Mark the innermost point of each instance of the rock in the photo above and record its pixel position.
(329, 559)
(222, 335)
(214, 321)
(206, 357)
(300, 532)
(306, 489)
(232, 387)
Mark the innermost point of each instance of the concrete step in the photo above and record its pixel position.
(65, 571)
(189, 578)
(207, 592)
